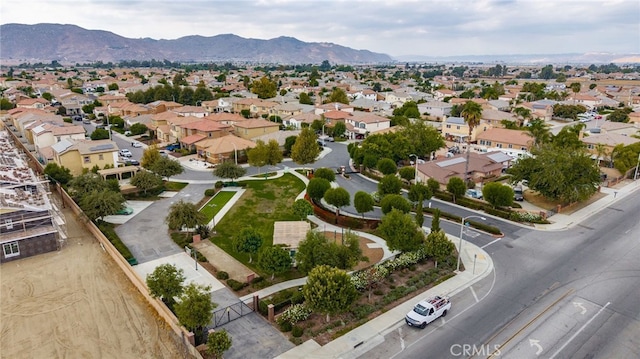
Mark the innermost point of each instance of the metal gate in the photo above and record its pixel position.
(225, 315)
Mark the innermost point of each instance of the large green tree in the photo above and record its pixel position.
(329, 290)
(389, 184)
(302, 208)
(316, 249)
(317, 187)
(146, 180)
(363, 202)
(249, 240)
(400, 231)
(100, 203)
(58, 173)
(166, 167)
(230, 170)
(264, 88)
(394, 201)
(274, 260)
(195, 308)
(567, 174)
(338, 95)
(184, 215)
(423, 139)
(165, 282)
(497, 194)
(326, 173)
(305, 149)
(438, 246)
(337, 197)
(456, 187)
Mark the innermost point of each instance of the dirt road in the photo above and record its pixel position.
(76, 303)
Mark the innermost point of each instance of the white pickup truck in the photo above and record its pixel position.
(428, 310)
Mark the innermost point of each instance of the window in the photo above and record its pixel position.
(448, 126)
(11, 249)
(101, 157)
(510, 146)
(499, 145)
(457, 127)
(8, 223)
(87, 159)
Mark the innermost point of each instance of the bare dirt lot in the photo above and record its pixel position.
(76, 303)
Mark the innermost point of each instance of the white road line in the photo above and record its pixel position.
(490, 243)
(579, 330)
(474, 294)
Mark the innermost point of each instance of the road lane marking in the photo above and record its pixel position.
(499, 348)
(579, 330)
(474, 294)
(490, 243)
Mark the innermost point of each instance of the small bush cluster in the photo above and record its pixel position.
(527, 217)
(235, 285)
(361, 279)
(222, 275)
(210, 192)
(294, 314)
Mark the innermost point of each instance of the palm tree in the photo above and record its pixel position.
(523, 113)
(575, 87)
(601, 151)
(539, 131)
(472, 114)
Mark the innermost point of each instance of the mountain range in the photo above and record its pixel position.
(66, 44)
(71, 44)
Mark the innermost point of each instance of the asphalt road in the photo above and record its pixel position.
(564, 294)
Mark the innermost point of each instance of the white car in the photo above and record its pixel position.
(125, 153)
(136, 144)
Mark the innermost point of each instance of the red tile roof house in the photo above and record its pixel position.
(504, 138)
(192, 132)
(482, 166)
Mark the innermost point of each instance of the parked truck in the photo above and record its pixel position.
(428, 310)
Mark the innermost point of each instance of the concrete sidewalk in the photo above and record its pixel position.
(360, 340)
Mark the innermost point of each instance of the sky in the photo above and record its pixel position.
(393, 27)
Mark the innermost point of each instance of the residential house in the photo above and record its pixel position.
(360, 124)
(34, 103)
(226, 118)
(456, 129)
(74, 102)
(495, 117)
(47, 134)
(542, 109)
(193, 111)
(163, 106)
(192, 132)
(86, 154)
(397, 99)
(217, 150)
(367, 105)
(584, 99)
(174, 124)
(515, 143)
(601, 145)
(255, 127)
(333, 106)
(219, 105)
(441, 94)
(256, 107)
(482, 166)
(287, 109)
(435, 109)
(297, 120)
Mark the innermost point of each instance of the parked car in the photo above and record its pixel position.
(125, 153)
(172, 147)
(474, 193)
(518, 194)
(131, 162)
(136, 144)
(125, 211)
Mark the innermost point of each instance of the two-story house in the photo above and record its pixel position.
(456, 129)
(86, 154)
(47, 134)
(482, 166)
(515, 143)
(193, 132)
(360, 124)
(254, 127)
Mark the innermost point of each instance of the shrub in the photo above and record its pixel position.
(210, 192)
(235, 285)
(378, 292)
(297, 298)
(297, 331)
(222, 275)
(295, 313)
(219, 184)
(284, 326)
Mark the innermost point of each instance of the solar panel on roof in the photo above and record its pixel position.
(453, 161)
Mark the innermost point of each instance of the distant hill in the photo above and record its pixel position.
(529, 59)
(73, 44)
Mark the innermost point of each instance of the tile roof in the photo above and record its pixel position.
(516, 137)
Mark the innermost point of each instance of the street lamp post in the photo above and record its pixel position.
(635, 175)
(415, 176)
(461, 229)
(235, 152)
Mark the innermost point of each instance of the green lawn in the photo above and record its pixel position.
(262, 204)
(216, 203)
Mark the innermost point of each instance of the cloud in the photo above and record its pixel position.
(431, 27)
